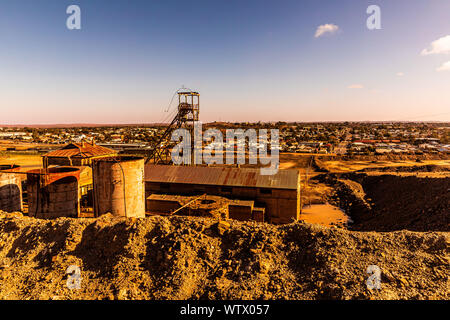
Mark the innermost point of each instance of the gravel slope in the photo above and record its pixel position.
(195, 258)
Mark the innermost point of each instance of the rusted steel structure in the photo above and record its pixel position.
(119, 186)
(76, 154)
(10, 188)
(204, 206)
(54, 192)
(186, 117)
(278, 194)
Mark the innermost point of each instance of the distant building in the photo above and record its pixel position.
(12, 134)
(278, 194)
(76, 154)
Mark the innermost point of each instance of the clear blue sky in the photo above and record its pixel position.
(250, 60)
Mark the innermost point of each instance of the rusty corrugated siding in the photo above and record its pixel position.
(237, 177)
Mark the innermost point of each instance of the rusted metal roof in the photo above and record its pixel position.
(81, 150)
(221, 176)
(53, 174)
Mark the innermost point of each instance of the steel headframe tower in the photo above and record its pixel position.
(188, 108)
(187, 115)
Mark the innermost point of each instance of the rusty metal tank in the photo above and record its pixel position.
(53, 192)
(10, 188)
(119, 186)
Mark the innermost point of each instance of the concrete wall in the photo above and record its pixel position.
(162, 206)
(240, 212)
(281, 205)
(258, 214)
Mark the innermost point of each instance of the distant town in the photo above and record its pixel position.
(345, 138)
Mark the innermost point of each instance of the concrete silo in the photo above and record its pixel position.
(119, 186)
(53, 192)
(10, 189)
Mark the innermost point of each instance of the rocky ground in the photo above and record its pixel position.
(390, 202)
(197, 258)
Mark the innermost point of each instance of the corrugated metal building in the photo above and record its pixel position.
(279, 194)
(76, 154)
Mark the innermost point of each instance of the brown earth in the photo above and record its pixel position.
(407, 202)
(389, 201)
(387, 157)
(197, 258)
(417, 168)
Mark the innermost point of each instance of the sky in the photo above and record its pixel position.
(251, 60)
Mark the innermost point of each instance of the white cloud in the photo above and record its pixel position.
(441, 45)
(444, 67)
(400, 74)
(326, 28)
(355, 86)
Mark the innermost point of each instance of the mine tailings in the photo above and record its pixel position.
(389, 202)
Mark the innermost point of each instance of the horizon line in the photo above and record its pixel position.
(81, 124)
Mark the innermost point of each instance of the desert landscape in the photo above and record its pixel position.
(390, 213)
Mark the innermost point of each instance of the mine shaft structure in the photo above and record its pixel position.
(187, 114)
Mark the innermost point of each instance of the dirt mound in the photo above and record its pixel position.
(410, 202)
(389, 202)
(197, 258)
